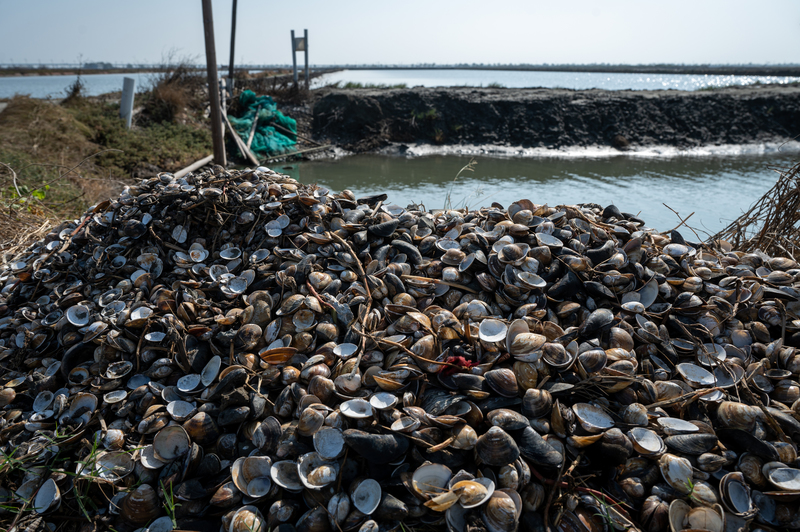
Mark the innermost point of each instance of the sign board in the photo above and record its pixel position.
(299, 44)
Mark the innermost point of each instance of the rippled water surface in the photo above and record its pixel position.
(519, 79)
(56, 86)
(715, 189)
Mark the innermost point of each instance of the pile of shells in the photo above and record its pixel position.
(237, 351)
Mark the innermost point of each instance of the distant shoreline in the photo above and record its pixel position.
(725, 70)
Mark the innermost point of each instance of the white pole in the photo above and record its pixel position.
(126, 103)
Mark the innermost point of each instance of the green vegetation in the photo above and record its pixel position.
(469, 167)
(429, 114)
(495, 85)
(169, 503)
(57, 159)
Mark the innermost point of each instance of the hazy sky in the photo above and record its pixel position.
(408, 31)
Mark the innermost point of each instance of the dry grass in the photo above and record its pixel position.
(42, 142)
(772, 224)
(17, 229)
(177, 89)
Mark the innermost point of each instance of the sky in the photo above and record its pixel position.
(407, 32)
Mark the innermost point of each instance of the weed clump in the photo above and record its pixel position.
(176, 89)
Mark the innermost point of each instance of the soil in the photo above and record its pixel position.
(361, 120)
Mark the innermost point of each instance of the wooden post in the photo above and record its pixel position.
(305, 51)
(194, 166)
(253, 128)
(294, 60)
(240, 143)
(233, 44)
(213, 85)
(126, 102)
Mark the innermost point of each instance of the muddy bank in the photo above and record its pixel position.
(368, 119)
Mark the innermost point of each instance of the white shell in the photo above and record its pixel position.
(329, 443)
(181, 410)
(114, 465)
(492, 330)
(431, 479)
(149, 460)
(673, 425)
(230, 253)
(356, 409)
(383, 400)
(189, 383)
(345, 351)
(366, 496)
(285, 475)
(695, 376)
(677, 471)
(592, 418)
(78, 315)
(645, 441)
(315, 472)
(785, 478)
(488, 483)
(252, 475)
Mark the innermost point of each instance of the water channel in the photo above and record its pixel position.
(716, 188)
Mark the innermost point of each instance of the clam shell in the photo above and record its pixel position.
(366, 496)
(356, 409)
(677, 472)
(171, 443)
(592, 418)
(430, 480)
(286, 475)
(493, 330)
(329, 443)
(48, 498)
(496, 447)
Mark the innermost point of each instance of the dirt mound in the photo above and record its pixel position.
(557, 118)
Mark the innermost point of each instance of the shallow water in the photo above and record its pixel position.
(56, 86)
(716, 189)
(520, 79)
(96, 84)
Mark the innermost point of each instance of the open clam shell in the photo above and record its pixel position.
(171, 443)
(285, 475)
(48, 498)
(684, 517)
(251, 475)
(329, 443)
(356, 409)
(646, 442)
(472, 493)
(114, 465)
(592, 418)
(735, 495)
(430, 480)
(492, 330)
(315, 472)
(366, 495)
